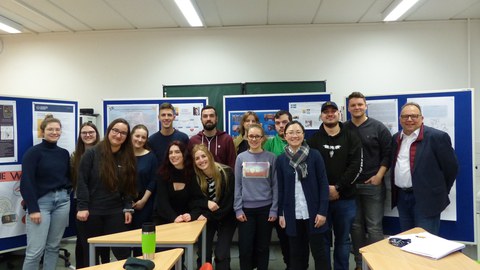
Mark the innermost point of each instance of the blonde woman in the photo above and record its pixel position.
(240, 142)
(217, 184)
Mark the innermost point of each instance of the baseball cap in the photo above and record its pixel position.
(329, 104)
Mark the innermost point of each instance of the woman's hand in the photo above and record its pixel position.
(242, 218)
(83, 215)
(128, 217)
(35, 217)
(319, 221)
(281, 221)
(213, 206)
(179, 219)
(272, 219)
(201, 217)
(138, 205)
(186, 217)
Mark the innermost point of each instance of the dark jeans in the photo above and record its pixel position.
(409, 216)
(341, 214)
(224, 230)
(81, 248)
(301, 244)
(98, 225)
(254, 238)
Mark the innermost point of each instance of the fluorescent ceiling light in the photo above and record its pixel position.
(399, 10)
(10, 26)
(189, 12)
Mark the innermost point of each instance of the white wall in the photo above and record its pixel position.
(372, 58)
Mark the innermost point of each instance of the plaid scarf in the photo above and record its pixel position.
(297, 160)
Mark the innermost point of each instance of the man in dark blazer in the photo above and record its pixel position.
(423, 170)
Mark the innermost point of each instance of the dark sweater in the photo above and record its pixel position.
(92, 194)
(376, 145)
(225, 202)
(159, 143)
(342, 154)
(45, 168)
(170, 203)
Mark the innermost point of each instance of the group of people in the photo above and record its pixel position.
(316, 193)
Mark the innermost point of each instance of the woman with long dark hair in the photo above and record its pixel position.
(106, 184)
(178, 198)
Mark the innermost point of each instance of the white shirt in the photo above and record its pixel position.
(301, 208)
(403, 175)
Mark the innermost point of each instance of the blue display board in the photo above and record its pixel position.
(266, 106)
(463, 229)
(24, 123)
(132, 103)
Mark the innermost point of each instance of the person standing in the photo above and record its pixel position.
(302, 199)
(256, 201)
(376, 145)
(277, 146)
(45, 187)
(160, 140)
(146, 180)
(240, 142)
(342, 153)
(219, 143)
(424, 168)
(106, 184)
(217, 183)
(87, 138)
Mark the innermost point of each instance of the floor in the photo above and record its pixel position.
(14, 260)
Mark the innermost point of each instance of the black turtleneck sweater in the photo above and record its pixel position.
(170, 203)
(45, 168)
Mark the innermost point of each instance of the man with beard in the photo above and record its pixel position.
(160, 140)
(219, 143)
(342, 153)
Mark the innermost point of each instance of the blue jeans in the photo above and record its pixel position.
(44, 238)
(341, 214)
(368, 220)
(410, 217)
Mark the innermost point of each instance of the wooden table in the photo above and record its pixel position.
(384, 256)
(172, 235)
(164, 260)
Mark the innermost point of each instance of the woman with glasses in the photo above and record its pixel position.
(217, 184)
(302, 199)
(146, 176)
(240, 142)
(178, 198)
(106, 185)
(87, 138)
(45, 187)
(255, 203)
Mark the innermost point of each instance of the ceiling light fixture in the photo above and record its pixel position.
(10, 26)
(189, 12)
(398, 9)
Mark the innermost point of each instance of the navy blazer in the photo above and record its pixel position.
(315, 188)
(434, 169)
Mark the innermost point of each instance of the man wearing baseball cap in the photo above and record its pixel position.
(342, 153)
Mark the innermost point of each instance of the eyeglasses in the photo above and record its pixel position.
(254, 137)
(87, 133)
(292, 133)
(116, 131)
(412, 116)
(399, 242)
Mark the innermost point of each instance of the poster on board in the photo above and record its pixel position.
(63, 112)
(187, 118)
(146, 114)
(11, 211)
(8, 131)
(266, 118)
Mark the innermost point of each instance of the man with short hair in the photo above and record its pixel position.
(376, 146)
(160, 140)
(277, 145)
(424, 168)
(219, 143)
(342, 153)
